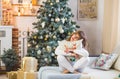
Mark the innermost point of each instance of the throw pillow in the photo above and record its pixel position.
(70, 44)
(117, 64)
(104, 61)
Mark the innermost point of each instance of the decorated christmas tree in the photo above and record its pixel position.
(54, 24)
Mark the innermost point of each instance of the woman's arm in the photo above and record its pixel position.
(83, 52)
(60, 51)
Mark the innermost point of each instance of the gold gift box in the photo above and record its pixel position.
(26, 75)
(12, 75)
(29, 64)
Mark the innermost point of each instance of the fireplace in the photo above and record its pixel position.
(5, 39)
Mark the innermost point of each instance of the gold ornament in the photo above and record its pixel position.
(35, 37)
(48, 48)
(54, 36)
(36, 46)
(45, 39)
(68, 33)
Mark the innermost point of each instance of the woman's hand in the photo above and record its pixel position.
(69, 50)
(75, 55)
(66, 49)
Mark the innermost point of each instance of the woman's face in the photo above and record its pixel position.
(75, 37)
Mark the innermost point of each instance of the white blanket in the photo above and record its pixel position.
(54, 73)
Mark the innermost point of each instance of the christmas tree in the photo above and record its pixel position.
(54, 24)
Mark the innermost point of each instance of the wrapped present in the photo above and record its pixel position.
(12, 75)
(26, 75)
(29, 64)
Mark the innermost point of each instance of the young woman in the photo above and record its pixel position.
(81, 55)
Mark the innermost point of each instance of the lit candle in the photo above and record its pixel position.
(18, 13)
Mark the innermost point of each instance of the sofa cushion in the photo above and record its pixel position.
(117, 64)
(101, 74)
(104, 61)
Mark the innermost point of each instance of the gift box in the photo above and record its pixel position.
(26, 75)
(12, 75)
(29, 64)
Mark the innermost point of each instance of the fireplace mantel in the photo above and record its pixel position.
(5, 39)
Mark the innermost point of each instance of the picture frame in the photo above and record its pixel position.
(87, 10)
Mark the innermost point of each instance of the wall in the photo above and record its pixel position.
(93, 29)
(5, 39)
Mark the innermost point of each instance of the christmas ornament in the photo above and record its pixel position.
(33, 42)
(69, 33)
(69, 13)
(53, 54)
(28, 45)
(54, 36)
(39, 52)
(35, 37)
(46, 36)
(54, 47)
(49, 33)
(46, 59)
(57, 0)
(51, 3)
(49, 15)
(61, 9)
(43, 49)
(37, 46)
(57, 20)
(43, 24)
(52, 19)
(41, 37)
(53, 28)
(45, 39)
(63, 20)
(74, 25)
(48, 48)
(61, 29)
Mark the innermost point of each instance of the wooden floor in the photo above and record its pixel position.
(3, 73)
(3, 76)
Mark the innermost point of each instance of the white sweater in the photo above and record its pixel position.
(83, 52)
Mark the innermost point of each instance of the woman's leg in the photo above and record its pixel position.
(81, 63)
(64, 63)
